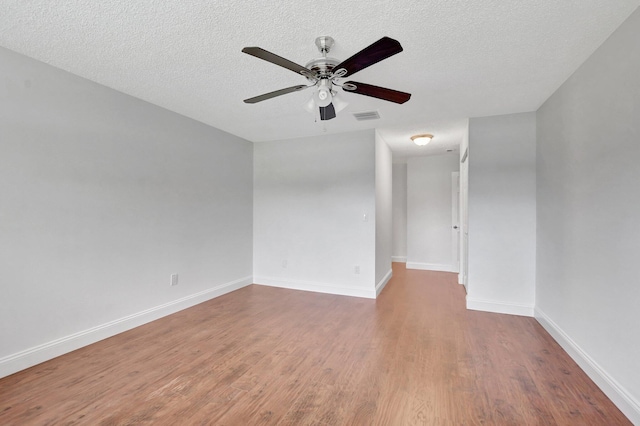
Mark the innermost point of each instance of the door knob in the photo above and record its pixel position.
(455, 226)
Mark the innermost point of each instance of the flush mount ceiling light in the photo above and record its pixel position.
(422, 140)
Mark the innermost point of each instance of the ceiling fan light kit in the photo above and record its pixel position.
(323, 94)
(324, 75)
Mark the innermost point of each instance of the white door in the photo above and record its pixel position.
(455, 221)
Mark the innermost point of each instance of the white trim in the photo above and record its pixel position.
(383, 282)
(401, 259)
(430, 266)
(629, 406)
(24, 359)
(499, 307)
(342, 290)
(460, 278)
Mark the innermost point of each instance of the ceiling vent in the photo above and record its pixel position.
(367, 115)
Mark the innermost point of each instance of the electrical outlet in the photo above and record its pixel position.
(356, 269)
(174, 280)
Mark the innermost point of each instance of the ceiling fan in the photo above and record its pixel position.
(325, 74)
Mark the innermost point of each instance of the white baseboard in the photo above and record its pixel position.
(38, 354)
(499, 307)
(383, 282)
(341, 290)
(430, 266)
(460, 278)
(629, 406)
(400, 259)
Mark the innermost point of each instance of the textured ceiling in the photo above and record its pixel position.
(461, 58)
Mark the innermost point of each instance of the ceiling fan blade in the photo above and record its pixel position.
(381, 49)
(278, 60)
(328, 112)
(280, 92)
(377, 92)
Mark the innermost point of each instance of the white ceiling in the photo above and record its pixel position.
(461, 58)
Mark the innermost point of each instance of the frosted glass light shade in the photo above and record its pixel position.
(422, 140)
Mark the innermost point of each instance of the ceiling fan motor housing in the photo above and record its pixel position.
(322, 67)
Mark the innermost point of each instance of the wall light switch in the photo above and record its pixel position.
(174, 280)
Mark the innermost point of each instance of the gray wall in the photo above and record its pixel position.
(384, 213)
(464, 209)
(429, 218)
(502, 213)
(314, 213)
(103, 198)
(399, 204)
(588, 236)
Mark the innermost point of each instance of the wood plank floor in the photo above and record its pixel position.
(270, 356)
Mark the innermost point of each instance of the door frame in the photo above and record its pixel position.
(455, 222)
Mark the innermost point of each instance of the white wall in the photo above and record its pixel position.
(384, 213)
(311, 196)
(588, 176)
(399, 197)
(103, 196)
(464, 209)
(502, 214)
(429, 244)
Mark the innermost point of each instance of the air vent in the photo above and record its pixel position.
(367, 115)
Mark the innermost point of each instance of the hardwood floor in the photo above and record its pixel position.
(264, 355)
